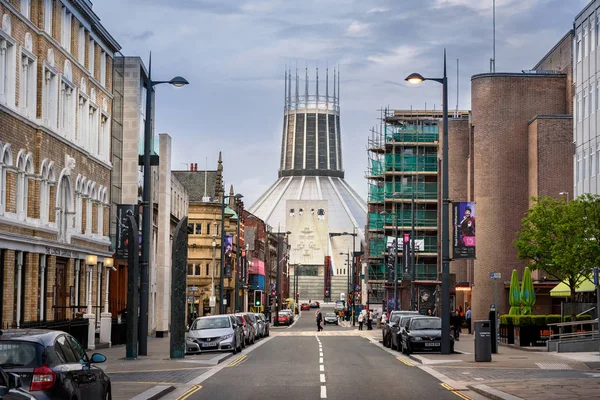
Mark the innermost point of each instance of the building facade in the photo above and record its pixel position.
(586, 100)
(55, 123)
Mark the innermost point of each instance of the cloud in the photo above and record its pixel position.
(378, 10)
(358, 29)
(143, 36)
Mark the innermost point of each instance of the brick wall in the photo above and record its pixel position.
(31, 290)
(51, 268)
(8, 292)
(70, 282)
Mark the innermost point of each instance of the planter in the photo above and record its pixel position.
(507, 334)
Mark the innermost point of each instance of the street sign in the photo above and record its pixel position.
(595, 276)
(225, 302)
(191, 299)
(495, 275)
(212, 301)
(193, 288)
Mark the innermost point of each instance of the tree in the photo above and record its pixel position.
(562, 238)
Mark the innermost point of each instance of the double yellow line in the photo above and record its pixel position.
(237, 361)
(189, 392)
(456, 392)
(405, 362)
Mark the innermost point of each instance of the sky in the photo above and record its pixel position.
(234, 54)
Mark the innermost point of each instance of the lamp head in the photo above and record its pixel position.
(91, 259)
(108, 262)
(179, 81)
(414, 78)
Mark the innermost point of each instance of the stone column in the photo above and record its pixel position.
(89, 315)
(19, 256)
(106, 317)
(51, 266)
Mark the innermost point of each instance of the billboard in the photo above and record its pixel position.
(228, 256)
(123, 211)
(463, 223)
(308, 221)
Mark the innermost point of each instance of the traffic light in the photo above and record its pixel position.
(258, 298)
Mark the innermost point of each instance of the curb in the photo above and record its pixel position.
(154, 393)
(491, 393)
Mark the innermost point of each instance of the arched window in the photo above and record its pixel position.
(6, 161)
(44, 198)
(88, 207)
(64, 203)
(102, 203)
(24, 173)
(79, 192)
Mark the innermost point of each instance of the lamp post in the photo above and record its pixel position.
(238, 262)
(222, 263)
(212, 269)
(178, 81)
(277, 279)
(565, 194)
(353, 234)
(415, 79)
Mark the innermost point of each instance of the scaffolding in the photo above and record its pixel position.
(403, 170)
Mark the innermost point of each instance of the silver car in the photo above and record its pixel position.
(260, 326)
(214, 333)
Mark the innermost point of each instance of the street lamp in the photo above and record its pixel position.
(277, 283)
(222, 264)
(351, 267)
(212, 268)
(178, 81)
(565, 194)
(91, 261)
(415, 79)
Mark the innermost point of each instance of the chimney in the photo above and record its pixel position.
(195, 166)
(191, 166)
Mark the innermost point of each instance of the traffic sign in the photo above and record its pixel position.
(193, 288)
(190, 299)
(212, 301)
(495, 275)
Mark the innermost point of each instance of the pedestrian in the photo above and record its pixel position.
(383, 318)
(361, 320)
(456, 323)
(319, 321)
(468, 315)
(369, 320)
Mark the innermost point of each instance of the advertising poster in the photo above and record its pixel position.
(406, 254)
(463, 222)
(123, 211)
(427, 300)
(228, 256)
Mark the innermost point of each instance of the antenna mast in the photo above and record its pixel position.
(493, 59)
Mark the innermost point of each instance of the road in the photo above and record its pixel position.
(297, 363)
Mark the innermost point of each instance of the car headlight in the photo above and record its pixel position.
(416, 339)
(229, 336)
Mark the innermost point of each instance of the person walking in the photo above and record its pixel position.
(361, 320)
(319, 321)
(468, 317)
(369, 320)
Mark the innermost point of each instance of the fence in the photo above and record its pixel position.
(78, 328)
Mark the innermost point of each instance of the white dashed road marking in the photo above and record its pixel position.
(323, 392)
(322, 378)
(322, 369)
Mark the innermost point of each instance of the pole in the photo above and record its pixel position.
(348, 279)
(145, 259)
(396, 261)
(353, 273)
(277, 286)
(238, 264)
(212, 267)
(222, 261)
(445, 348)
(413, 267)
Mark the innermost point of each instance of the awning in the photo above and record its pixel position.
(562, 289)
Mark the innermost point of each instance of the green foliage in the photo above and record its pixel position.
(552, 319)
(531, 320)
(539, 320)
(562, 238)
(507, 319)
(584, 317)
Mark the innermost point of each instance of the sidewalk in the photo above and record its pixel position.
(155, 375)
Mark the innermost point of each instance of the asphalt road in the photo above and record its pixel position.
(303, 366)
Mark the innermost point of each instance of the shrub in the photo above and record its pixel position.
(507, 319)
(539, 320)
(552, 319)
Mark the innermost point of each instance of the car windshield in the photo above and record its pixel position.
(19, 354)
(211, 323)
(330, 314)
(426, 323)
(394, 318)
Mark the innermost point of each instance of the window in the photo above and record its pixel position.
(103, 143)
(598, 95)
(578, 169)
(585, 40)
(48, 16)
(585, 108)
(28, 79)
(578, 110)
(592, 34)
(26, 8)
(67, 109)
(64, 351)
(50, 98)
(194, 269)
(82, 128)
(91, 60)
(190, 229)
(93, 129)
(207, 269)
(103, 68)
(66, 29)
(78, 350)
(597, 32)
(7, 66)
(591, 100)
(578, 47)
(208, 228)
(198, 229)
(586, 166)
(592, 162)
(81, 45)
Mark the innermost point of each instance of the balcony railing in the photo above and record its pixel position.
(424, 272)
(411, 163)
(379, 246)
(423, 218)
(422, 191)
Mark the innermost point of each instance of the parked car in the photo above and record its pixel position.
(249, 330)
(266, 322)
(423, 334)
(241, 324)
(51, 365)
(396, 338)
(304, 307)
(330, 318)
(213, 333)
(260, 326)
(11, 387)
(391, 326)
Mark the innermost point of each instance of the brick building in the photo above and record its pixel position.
(55, 116)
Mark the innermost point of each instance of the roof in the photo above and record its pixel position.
(193, 181)
(563, 290)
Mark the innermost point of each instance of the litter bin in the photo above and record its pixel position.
(483, 341)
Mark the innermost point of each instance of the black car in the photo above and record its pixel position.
(396, 335)
(391, 327)
(423, 334)
(11, 387)
(53, 365)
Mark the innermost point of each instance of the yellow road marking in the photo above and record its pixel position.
(189, 392)
(237, 361)
(405, 362)
(456, 392)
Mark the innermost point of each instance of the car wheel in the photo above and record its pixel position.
(408, 349)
